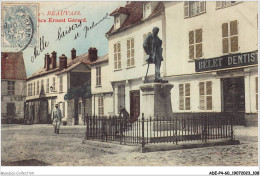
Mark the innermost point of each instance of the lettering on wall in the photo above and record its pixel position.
(227, 61)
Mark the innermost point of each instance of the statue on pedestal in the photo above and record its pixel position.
(153, 48)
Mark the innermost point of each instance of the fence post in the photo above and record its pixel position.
(87, 128)
(143, 142)
(232, 132)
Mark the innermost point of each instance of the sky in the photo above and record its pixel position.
(92, 11)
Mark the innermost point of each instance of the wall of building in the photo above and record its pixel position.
(105, 79)
(136, 32)
(18, 99)
(178, 27)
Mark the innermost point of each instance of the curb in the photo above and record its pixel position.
(155, 147)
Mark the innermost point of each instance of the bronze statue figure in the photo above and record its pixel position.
(153, 48)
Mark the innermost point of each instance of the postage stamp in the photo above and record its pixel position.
(19, 26)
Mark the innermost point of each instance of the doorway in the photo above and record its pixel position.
(134, 105)
(234, 98)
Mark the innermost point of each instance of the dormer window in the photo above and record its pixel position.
(147, 9)
(120, 16)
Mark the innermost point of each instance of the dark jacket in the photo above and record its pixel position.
(153, 48)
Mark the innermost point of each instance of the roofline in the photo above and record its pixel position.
(61, 71)
(13, 79)
(133, 25)
(100, 62)
(36, 76)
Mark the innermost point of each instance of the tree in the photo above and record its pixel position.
(83, 92)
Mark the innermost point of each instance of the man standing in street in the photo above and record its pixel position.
(153, 48)
(56, 118)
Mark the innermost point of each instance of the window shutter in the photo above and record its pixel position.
(225, 30)
(198, 34)
(186, 9)
(198, 50)
(181, 97)
(234, 43)
(119, 55)
(209, 102)
(218, 4)
(191, 37)
(191, 48)
(202, 6)
(118, 47)
(128, 58)
(233, 28)
(115, 60)
(208, 88)
(114, 48)
(187, 103)
(201, 85)
(132, 57)
(225, 45)
(119, 60)
(187, 89)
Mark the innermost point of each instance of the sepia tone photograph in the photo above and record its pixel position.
(129, 83)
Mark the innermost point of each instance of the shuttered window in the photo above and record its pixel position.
(222, 4)
(205, 95)
(53, 83)
(130, 52)
(195, 44)
(100, 106)
(117, 56)
(47, 85)
(42, 85)
(61, 83)
(184, 96)
(256, 92)
(11, 88)
(38, 87)
(34, 88)
(230, 37)
(193, 8)
(98, 76)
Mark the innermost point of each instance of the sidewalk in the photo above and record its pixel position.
(246, 134)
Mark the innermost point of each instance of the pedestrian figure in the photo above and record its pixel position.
(56, 118)
(125, 116)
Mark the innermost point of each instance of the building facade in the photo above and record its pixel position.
(13, 87)
(126, 55)
(101, 88)
(53, 83)
(212, 58)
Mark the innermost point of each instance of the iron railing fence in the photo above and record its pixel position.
(147, 130)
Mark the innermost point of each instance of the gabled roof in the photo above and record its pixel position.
(123, 10)
(70, 65)
(135, 15)
(100, 60)
(12, 66)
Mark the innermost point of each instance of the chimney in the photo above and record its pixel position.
(92, 54)
(63, 62)
(73, 53)
(54, 59)
(48, 61)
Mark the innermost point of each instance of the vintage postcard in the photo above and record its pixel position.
(129, 83)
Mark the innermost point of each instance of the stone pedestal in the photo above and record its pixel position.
(156, 100)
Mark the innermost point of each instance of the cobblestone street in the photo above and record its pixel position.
(38, 145)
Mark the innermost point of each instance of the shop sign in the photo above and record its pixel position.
(227, 61)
